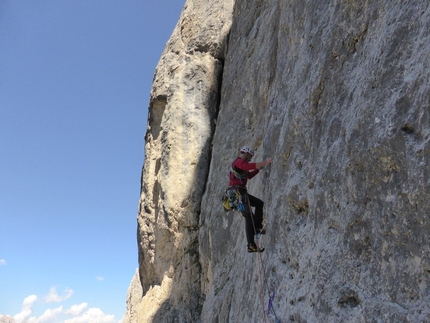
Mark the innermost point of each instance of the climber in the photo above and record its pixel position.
(242, 170)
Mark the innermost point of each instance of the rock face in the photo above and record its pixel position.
(337, 93)
(182, 111)
(134, 296)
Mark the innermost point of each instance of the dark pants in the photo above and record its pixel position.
(253, 221)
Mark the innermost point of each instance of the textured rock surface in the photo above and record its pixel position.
(337, 93)
(182, 111)
(134, 296)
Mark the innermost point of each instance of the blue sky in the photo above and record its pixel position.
(75, 77)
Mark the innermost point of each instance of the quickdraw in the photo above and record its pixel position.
(232, 200)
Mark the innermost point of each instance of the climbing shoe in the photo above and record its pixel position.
(253, 248)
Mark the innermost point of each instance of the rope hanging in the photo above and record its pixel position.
(260, 266)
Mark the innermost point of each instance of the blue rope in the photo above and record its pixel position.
(270, 307)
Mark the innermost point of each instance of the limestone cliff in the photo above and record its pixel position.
(337, 93)
(183, 107)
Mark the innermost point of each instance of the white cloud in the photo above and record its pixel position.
(6, 319)
(27, 308)
(77, 313)
(93, 315)
(50, 315)
(53, 296)
(75, 310)
(100, 278)
(3, 262)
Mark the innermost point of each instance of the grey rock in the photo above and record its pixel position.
(183, 107)
(337, 93)
(134, 296)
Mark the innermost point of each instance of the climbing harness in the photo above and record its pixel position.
(238, 173)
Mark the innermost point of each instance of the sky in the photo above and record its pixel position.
(75, 78)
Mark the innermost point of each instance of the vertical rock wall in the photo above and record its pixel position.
(182, 111)
(337, 93)
(134, 296)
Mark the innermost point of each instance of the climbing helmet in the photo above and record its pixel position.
(246, 149)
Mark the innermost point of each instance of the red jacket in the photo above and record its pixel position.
(244, 169)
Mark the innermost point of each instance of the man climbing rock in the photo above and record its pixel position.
(241, 171)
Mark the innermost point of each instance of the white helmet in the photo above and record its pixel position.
(248, 150)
